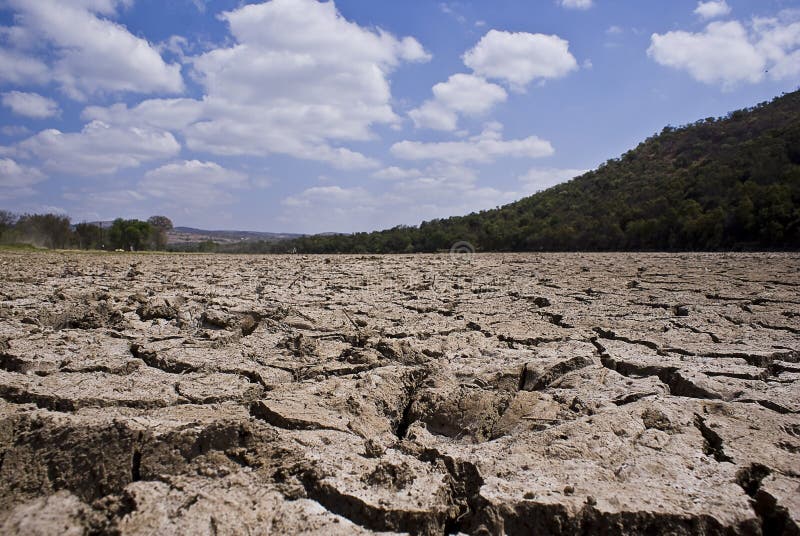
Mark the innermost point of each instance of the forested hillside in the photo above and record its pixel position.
(725, 183)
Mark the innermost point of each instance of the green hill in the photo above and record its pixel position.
(725, 183)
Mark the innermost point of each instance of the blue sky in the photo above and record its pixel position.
(303, 116)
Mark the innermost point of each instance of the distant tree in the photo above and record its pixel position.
(89, 236)
(207, 246)
(49, 230)
(160, 226)
(7, 221)
(130, 235)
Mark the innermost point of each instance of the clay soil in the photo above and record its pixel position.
(492, 394)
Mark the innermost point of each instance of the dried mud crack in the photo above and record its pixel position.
(511, 394)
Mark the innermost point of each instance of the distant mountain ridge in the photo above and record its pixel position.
(186, 235)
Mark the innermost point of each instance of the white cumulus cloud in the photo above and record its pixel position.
(19, 68)
(98, 149)
(438, 190)
(16, 180)
(576, 4)
(295, 78)
(485, 147)
(94, 54)
(336, 198)
(193, 183)
(298, 79)
(730, 53)
(712, 9)
(30, 104)
(396, 173)
(434, 115)
(464, 94)
(519, 58)
(166, 114)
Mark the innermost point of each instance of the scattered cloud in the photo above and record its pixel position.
(778, 41)
(15, 130)
(435, 116)
(451, 9)
(439, 190)
(520, 58)
(193, 183)
(439, 178)
(93, 54)
(712, 9)
(200, 5)
(16, 180)
(396, 173)
(722, 53)
(576, 4)
(468, 94)
(729, 53)
(335, 198)
(177, 45)
(485, 147)
(166, 114)
(30, 104)
(19, 68)
(333, 87)
(98, 149)
(333, 83)
(614, 36)
(116, 198)
(464, 94)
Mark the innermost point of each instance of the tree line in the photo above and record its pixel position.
(55, 231)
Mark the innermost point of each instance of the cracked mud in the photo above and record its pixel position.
(511, 394)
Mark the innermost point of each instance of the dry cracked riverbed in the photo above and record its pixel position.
(518, 394)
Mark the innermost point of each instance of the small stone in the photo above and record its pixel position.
(540, 301)
(680, 310)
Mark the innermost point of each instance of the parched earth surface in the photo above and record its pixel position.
(517, 394)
